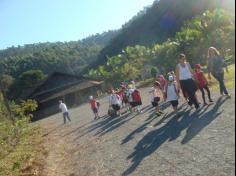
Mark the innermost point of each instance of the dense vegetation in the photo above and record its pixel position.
(26, 66)
(20, 147)
(157, 23)
(68, 57)
(196, 35)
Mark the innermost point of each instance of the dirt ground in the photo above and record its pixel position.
(197, 143)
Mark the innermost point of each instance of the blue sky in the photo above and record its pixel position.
(32, 21)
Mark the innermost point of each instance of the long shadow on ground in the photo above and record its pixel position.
(106, 125)
(144, 126)
(195, 122)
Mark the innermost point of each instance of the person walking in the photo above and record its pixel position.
(157, 92)
(131, 100)
(94, 106)
(184, 77)
(172, 94)
(202, 83)
(64, 110)
(115, 102)
(161, 79)
(138, 100)
(215, 65)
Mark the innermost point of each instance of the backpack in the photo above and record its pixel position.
(136, 96)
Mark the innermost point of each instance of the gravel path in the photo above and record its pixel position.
(198, 143)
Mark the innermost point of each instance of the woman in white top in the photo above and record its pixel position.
(185, 80)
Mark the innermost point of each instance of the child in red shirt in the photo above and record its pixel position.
(202, 83)
(94, 106)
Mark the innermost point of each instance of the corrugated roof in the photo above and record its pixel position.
(81, 86)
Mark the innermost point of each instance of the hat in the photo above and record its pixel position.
(91, 97)
(197, 66)
(171, 78)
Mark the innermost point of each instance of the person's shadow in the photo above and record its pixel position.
(171, 131)
(202, 120)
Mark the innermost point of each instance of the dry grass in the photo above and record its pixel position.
(25, 157)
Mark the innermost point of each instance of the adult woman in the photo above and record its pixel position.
(215, 66)
(184, 78)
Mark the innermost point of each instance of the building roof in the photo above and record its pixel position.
(80, 86)
(59, 84)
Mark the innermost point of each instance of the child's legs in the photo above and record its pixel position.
(175, 105)
(64, 118)
(175, 109)
(68, 117)
(208, 92)
(203, 94)
(157, 108)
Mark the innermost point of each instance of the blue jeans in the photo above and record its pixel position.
(220, 78)
(66, 116)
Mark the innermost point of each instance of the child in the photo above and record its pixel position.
(137, 99)
(202, 83)
(172, 94)
(94, 106)
(162, 81)
(156, 97)
(131, 101)
(115, 102)
(64, 110)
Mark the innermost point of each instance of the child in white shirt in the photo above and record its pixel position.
(172, 95)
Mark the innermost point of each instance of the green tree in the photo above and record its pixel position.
(31, 77)
(7, 81)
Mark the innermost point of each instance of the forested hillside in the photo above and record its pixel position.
(68, 57)
(157, 23)
(25, 66)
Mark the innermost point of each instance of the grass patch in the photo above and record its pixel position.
(20, 149)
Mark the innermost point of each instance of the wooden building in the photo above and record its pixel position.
(73, 90)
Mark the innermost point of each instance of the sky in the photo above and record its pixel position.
(33, 21)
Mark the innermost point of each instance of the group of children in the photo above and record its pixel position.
(128, 96)
(169, 90)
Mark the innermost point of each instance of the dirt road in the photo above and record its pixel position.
(198, 143)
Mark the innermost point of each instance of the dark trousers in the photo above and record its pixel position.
(220, 78)
(189, 87)
(66, 116)
(203, 93)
